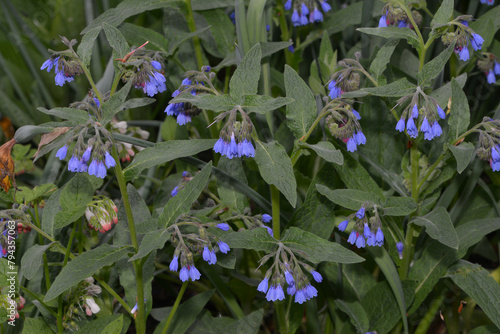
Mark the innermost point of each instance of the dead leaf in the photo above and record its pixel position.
(47, 138)
(7, 127)
(7, 165)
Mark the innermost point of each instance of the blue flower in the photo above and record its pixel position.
(491, 77)
(317, 16)
(351, 145)
(61, 153)
(367, 232)
(403, 24)
(280, 294)
(49, 63)
(317, 276)
(223, 247)
(361, 213)
(263, 285)
(174, 264)
(232, 16)
(303, 20)
(382, 23)
(213, 257)
(464, 53)
(288, 5)
(310, 291)
(326, 7)
(184, 274)
(411, 128)
(270, 231)
(495, 154)
(414, 111)
(304, 10)
(289, 278)
(183, 119)
(109, 160)
(223, 226)
(74, 164)
(400, 247)
(441, 112)
(477, 42)
(360, 242)
(271, 294)
(87, 153)
(495, 165)
(360, 138)
(371, 241)
(206, 254)
(335, 91)
(175, 191)
(233, 149)
(291, 48)
(379, 237)
(400, 126)
(352, 237)
(488, 2)
(343, 225)
(291, 290)
(429, 134)
(194, 273)
(496, 69)
(245, 148)
(134, 309)
(295, 18)
(156, 65)
(266, 218)
(436, 129)
(300, 296)
(356, 114)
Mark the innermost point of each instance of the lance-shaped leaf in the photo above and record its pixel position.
(112, 106)
(317, 249)
(181, 203)
(300, 114)
(438, 226)
(137, 35)
(443, 15)
(399, 206)
(215, 103)
(257, 239)
(393, 32)
(459, 113)
(348, 198)
(72, 114)
(164, 152)
(116, 40)
(155, 239)
(276, 168)
(87, 44)
(397, 88)
(245, 80)
(383, 57)
(434, 67)
(85, 265)
(263, 104)
(327, 151)
(32, 260)
(463, 153)
(357, 314)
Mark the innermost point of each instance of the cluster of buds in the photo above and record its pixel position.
(367, 230)
(307, 11)
(145, 69)
(343, 124)
(393, 15)
(234, 138)
(423, 118)
(12, 306)
(66, 64)
(23, 228)
(80, 299)
(186, 177)
(489, 64)
(189, 243)
(462, 36)
(251, 222)
(101, 214)
(489, 140)
(345, 80)
(194, 83)
(287, 268)
(126, 150)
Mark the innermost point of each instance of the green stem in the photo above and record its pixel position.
(426, 322)
(89, 78)
(275, 201)
(297, 153)
(196, 39)
(280, 313)
(60, 328)
(285, 34)
(40, 241)
(174, 308)
(116, 81)
(113, 293)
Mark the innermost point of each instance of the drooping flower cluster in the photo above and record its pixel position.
(307, 11)
(345, 80)
(395, 16)
(421, 119)
(488, 2)
(463, 35)
(489, 140)
(80, 299)
(234, 138)
(64, 67)
(186, 177)
(287, 268)
(101, 214)
(194, 83)
(367, 231)
(343, 124)
(489, 64)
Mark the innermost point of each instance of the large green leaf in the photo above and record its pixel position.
(215, 103)
(432, 69)
(228, 195)
(222, 29)
(75, 115)
(463, 153)
(443, 15)
(383, 58)
(154, 239)
(327, 151)
(257, 239)
(356, 313)
(164, 152)
(116, 40)
(348, 198)
(355, 176)
(393, 32)
(32, 260)
(301, 113)
(245, 80)
(87, 44)
(208, 324)
(85, 265)
(276, 168)
(181, 203)
(459, 113)
(399, 206)
(438, 226)
(397, 88)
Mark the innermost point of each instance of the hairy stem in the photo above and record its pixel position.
(174, 308)
(196, 39)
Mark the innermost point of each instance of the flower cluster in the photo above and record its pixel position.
(462, 36)
(489, 140)
(65, 68)
(307, 11)
(488, 2)
(397, 17)
(101, 214)
(126, 150)
(345, 80)
(367, 230)
(489, 64)
(234, 138)
(423, 119)
(343, 124)
(288, 269)
(93, 160)
(186, 177)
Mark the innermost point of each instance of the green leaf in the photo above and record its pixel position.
(316, 249)
(459, 113)
(29, 195)
(355, 176)
(387, 266)
(262, 104)
(245, 80)
(181, 203)
(136, 103)
(207, 324)
(215, 103)
(356, 313)
(222, 29)
(114, 327)
(401, 87)
(393, 32)
(489, 329)
(383, 57)
(164, 152)
(433, 68)
(75, 115)
(302, 113)
(32, 260)
(87, 44)
(399, 206)
(463, 154)
(116, 41)
(97, 325)
(436, 257)
(36, 325)
(228, 195)
(155, 239)
(480, 286)
(85, 265)
(276, 168)
(206, 5)
(69, 215)
(443, 15)
(327, 151)
(137, 35)
(52, 207)
(257, 239)
(438, 226)
(113, 105)
(443, 93)
(487, 26)
(184, 37)
(348, 198)
(186, 313)
(78, 191)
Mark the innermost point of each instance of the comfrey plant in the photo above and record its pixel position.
(250, 184)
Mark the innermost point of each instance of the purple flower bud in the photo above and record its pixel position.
(490, 76)
(289, 278)
(414, 111)
(266, 218)
(441, 112)
(356, 114)
(263, 285)
(360, 242)
(317, 276)
(317, 15)
(382, 23)
(326, 7)
(351, 145)
(156, 65)
(464, 53)
(184, 274)
(175, 191)
(223, 247)
(271, 294)
(87, 153)
(477, 42)
(352, 237)
(174, 264)
(496, 69)
(61, 153)
(361, 213)
(343, 225)
(360, 138)
(400, 247)
(300, 296)
(194, 273)
(109, 160)
(401, 125)
(223, 226)
(425, 125)
(288, 5)
(436, 129)
(367, 232)
(270, 231)
(379, 236)
(291, 290)
(295, 18)
(304, 10)
(411, 128)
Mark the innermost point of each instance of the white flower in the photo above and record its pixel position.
(91, 306)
